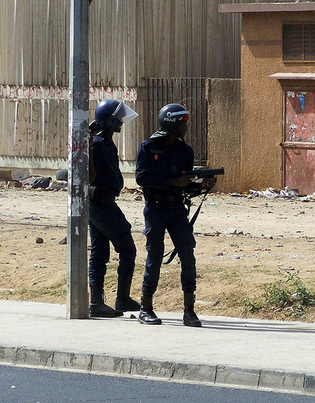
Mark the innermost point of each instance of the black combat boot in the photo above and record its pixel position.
(146, 315)
(123, 301)
(190, 318)
(97, 306)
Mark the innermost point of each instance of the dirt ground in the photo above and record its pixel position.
(244, 244)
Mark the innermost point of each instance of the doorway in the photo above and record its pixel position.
(299, 139)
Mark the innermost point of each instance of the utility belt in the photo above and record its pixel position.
(97, 196)
(163, 199)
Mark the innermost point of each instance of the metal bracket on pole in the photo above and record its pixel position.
(77, 290)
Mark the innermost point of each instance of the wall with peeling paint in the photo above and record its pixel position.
(130, 41)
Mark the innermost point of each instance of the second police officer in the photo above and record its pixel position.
(106, 220)
(161, 162)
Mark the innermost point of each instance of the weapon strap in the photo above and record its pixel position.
(173, 253)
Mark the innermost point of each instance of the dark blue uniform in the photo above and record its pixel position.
(106, 220)
(157, 164)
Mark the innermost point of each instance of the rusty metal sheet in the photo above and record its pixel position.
(299, 140)
(300, 170)
(300, 116)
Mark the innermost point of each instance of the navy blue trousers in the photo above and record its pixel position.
(175, 221)
(108, 224)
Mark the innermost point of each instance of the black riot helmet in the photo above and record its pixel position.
(170, 117)
(110, 112)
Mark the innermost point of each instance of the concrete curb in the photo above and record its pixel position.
(219, 374)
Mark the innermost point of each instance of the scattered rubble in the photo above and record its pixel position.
(62, 241)
(21, 178)
(271, 193)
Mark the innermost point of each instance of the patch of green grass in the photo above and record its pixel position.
(289, 295)
(229, 275)
(288, 291)
(276, 294)
(232, 299)
(251, 306)
(57, 290)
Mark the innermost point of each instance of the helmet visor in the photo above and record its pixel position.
(124, 113)
(183, 114)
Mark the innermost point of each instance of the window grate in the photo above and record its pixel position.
(299, 42)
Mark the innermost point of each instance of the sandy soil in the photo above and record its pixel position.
(243, 244)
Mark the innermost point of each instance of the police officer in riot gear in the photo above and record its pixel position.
(161, 161)
(106, 221)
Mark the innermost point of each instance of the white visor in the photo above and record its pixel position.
(124, 113)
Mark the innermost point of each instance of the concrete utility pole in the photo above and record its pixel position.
(77, 290)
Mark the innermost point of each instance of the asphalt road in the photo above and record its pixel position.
(29, 385)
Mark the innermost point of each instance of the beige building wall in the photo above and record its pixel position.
(262, 97)
(224, 110)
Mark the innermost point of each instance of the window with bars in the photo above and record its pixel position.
(299, 42)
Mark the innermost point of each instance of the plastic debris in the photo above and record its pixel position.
(271, 193)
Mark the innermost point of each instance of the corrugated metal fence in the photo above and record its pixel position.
(130, 41)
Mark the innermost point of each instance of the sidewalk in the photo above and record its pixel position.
(226, 351)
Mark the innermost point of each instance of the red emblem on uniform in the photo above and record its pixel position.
(156, 156)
